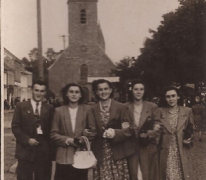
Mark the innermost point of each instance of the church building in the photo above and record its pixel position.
(85, 59)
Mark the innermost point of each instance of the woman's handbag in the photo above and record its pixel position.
(84, 159)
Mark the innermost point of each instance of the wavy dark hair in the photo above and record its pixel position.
(64, 92)
(133, 83)
(39, 82)
(163, 102)
(95, 84)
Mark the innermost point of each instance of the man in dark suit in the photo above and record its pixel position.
(31, 125)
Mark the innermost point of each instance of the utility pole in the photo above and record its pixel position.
(64, 41)
(39, 36)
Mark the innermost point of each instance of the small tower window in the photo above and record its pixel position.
(83, 72)
(83, 18)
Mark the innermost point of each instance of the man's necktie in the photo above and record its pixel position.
(37, 115)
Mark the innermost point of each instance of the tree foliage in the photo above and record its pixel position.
(176, 51)
(32, 64)
(127, 70)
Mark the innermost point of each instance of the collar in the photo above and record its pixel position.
(104, 110)
(34, 103)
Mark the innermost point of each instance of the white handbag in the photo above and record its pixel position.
(84, 159)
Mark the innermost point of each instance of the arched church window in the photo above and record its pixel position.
(83, 18)
(84, 72)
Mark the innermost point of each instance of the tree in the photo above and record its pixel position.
(177, 50)
(34, 54)
(50, 54)
(127, 70)
(32, 65)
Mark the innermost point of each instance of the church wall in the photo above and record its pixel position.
(67, 68)
(83, 49)
(82, 33)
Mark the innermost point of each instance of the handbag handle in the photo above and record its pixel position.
(87, 143)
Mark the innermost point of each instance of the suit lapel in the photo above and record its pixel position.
(97, 117)
(79, 119)
(130, 107)
(182, 118)
(112, 111)
(43, 112)
(30, 112)
(144, 114)
(165, 120)
(67, 121)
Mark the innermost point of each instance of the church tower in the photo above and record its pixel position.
(85, 58)
(82, 22)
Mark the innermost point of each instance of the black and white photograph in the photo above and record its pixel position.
(103, 89)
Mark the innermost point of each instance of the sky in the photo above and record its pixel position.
(125, 24)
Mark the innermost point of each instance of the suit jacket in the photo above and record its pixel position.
(62, 130)
(122, 144)
(148, 110)
(24, 128)
(184, 117)
(147, 155)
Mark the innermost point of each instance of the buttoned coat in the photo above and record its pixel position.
(62, 130)
(184, 117)
(147, 155)
(24, 128)
(122, 145)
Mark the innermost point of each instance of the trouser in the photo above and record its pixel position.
(40, 167)
(135, 172)
(37, 170)
(68, 172)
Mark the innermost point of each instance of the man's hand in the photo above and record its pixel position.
(33, 142)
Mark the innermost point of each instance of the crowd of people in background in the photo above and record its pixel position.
(12, 104)
(136, 140)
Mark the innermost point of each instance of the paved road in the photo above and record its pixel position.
(198, 153)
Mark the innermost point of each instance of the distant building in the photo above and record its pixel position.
(85, 58)
(26, 83)
(16, 78)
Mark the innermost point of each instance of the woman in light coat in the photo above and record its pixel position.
(176, 137)
(67, 127)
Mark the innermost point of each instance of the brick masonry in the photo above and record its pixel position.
(86, 47)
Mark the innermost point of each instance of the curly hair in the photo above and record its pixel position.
(64, 92)
(95, 84)
(39, 82)
(163, 102)
(130, 93)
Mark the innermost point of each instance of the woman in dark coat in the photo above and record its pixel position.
(198, 110)
(145, 161)
(111, 135)
(67, 127)
(176, 137)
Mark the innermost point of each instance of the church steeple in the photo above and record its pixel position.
(83, 26)
(85, 58)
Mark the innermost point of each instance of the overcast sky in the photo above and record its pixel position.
(125, 24)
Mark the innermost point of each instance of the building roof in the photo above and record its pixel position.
(7, 68)
(15, 58)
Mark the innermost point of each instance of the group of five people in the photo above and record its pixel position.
(132, 141)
